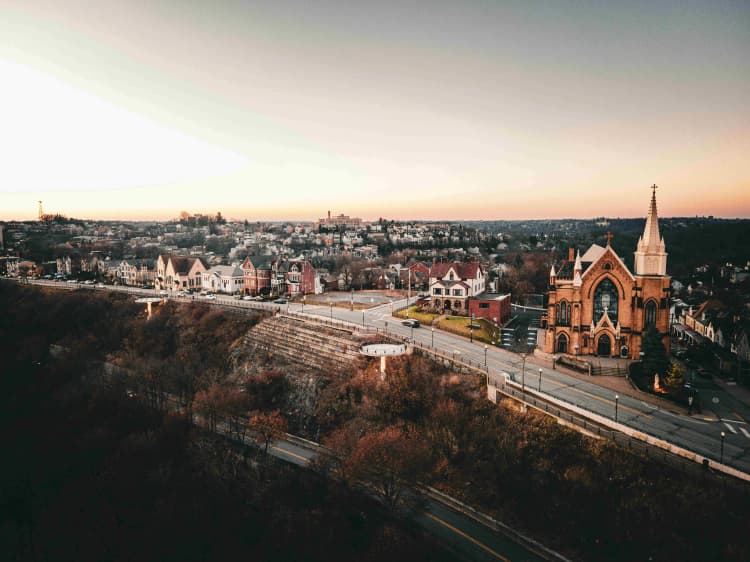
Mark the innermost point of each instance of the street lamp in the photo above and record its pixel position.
(723, 435)
(303, 302)
(540, 379)
(690, 402)
(523, 373)
(617, 402)
(485, 355)
(471, 329)
(432, 343)
(554, 362)
(363, 317)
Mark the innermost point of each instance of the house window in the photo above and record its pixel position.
(452, 277)
(437, 291)
(484, 305)
(649, 316)
(456, 292)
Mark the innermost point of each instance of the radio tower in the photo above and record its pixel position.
(41, 212)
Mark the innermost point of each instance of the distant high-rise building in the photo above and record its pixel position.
(598, 307)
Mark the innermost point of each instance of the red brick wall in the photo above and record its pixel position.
(499, 309)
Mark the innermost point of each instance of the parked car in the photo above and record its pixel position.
(248, 298)
(280, 300)
(210, 297)
(411, 322)
(100, 285)
(704, 373)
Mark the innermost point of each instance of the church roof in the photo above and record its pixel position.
(593, 253)
(566, 268)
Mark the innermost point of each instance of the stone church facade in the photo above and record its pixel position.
(597, 306)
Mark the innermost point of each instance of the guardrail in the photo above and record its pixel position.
(624, 435)
(588, 421)
(493, 524)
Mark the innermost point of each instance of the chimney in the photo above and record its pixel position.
(571, 253)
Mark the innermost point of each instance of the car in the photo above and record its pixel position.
(182, 293)
(100, 285)
(411, 323)
(248, 298)
(210, 297)
(163, 293)
(280, 300)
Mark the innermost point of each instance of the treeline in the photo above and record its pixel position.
(587, 498)
(92, 473)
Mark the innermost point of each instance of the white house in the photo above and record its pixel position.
(227, 279)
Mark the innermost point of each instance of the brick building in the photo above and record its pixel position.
(598, 307)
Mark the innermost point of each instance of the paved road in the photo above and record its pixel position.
(700, 436)
(465, 536)
(697, 435)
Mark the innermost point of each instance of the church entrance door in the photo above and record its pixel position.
(604, 348)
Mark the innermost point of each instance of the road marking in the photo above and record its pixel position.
(595, 397)
(730, 428)
(467, 537)
(295, 455)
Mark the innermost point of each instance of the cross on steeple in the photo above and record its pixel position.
(654, 188)
(609, 238)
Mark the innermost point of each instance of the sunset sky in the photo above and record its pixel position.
(272, 110)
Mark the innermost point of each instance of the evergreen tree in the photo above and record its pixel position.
(654, 354)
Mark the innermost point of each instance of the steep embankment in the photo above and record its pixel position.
(308, 352)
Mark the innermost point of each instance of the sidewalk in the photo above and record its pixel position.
(619, 385)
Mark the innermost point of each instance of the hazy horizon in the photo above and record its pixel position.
(419, 110)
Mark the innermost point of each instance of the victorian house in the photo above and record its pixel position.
(452, 284)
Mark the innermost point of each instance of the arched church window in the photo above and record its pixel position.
(649, 315)
(606, 298)
(564, 314)
(607, 266)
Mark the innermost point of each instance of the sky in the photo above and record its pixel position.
(283, 110)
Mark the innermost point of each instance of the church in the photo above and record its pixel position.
(597, 306)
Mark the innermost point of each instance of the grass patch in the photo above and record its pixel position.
(426, 318)
(487, 331)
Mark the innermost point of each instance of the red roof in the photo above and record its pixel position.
(465, 270)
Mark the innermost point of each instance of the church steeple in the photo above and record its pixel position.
(650, 255)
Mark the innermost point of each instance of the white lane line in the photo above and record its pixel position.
(744, 432)
(730, 428)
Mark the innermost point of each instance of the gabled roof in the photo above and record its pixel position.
(593, 253)
(464, 270)
(708, 306)
(226, 271)
(259, 262)
(183, 264)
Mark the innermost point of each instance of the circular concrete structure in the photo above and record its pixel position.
(383, 349)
